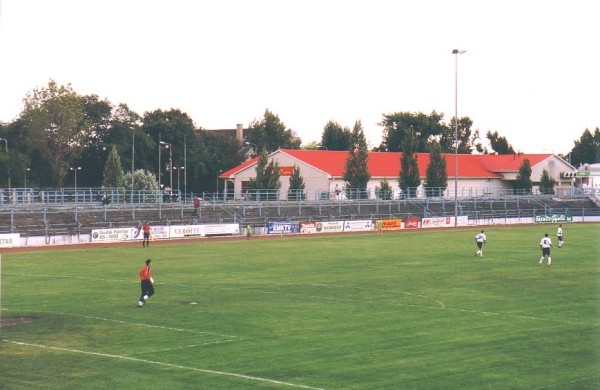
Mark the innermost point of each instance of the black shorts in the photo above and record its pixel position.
(146, 235)
(545, 251)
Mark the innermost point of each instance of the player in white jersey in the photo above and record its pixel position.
(545, 246)
(480, 239)
(559, 234)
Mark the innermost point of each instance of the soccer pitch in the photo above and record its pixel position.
(405, 310)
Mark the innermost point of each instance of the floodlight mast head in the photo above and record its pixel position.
(456, 51)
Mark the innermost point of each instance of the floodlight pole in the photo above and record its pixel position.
(456, 52)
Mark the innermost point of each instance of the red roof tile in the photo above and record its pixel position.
(387, 164)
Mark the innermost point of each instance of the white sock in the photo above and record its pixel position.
(549, 260)
(541, 259)
(145, 297)
(140, 303)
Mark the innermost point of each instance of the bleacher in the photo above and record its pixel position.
(73, 219)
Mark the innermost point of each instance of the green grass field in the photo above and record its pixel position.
(407, 310)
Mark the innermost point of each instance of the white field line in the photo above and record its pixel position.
(130, 323)
(186, 346)
(440, 303)
(214, 372)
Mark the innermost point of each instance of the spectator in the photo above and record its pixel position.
(106, 199)
(196, 204)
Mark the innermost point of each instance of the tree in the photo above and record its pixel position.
(546, 183)
(523, 183)
(143, 181)
(499, 144)
(266, 182)
(113, 171)
(422, 128)
(409, 169)
(586, 149)
(357, 174)
(271, 134)
(467, 140)
(54, 126)
(437, 176)
(336, 137)
(297, 186)
(384, 191)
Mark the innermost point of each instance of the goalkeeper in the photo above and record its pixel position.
(147, 283)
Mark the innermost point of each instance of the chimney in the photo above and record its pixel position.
(239, 132)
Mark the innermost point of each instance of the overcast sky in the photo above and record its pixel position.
(531, 70)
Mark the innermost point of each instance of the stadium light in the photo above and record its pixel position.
(75, 170)
(456, 52)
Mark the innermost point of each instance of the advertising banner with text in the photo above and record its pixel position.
(283, 227)
(411, 223)
(330, 227)
(10, 239)
(358, 226)
(391, 224)
(181, 231)
(226, 229)
(308, 227)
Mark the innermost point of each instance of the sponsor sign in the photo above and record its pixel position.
(180, 231)
(118, 234)
(358, 226)
(11, 239)
(222, 229)
(554, 218)
(330, 227)
(390, 224)
(308, 227)
(411, 223)
(286, 171)
(283, 227)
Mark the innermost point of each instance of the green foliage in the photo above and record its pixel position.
(267, 177)
(499, 144)
(356, 173)
(330, 312)
(336, 137)
(586, 149)
(437, 175)
(546, 183)
(297, 186)
(144, 181)
(54, 126)
(384, 190)
(523, 184)
(270, 133)
(113, 171)
(409, 178)
(425, 129)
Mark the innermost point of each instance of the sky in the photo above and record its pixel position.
(531, 70)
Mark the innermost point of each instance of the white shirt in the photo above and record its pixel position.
(546, 242)
(559, 232)
(480, 237)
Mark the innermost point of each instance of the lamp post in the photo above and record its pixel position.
(75, 170)
(25, 177)
(132, 160)
(7, 161)
(178, 169)
(170, 147)
(456, 52)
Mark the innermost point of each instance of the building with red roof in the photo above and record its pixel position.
(322, 171)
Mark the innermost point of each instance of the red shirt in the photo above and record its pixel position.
(146, 228)
(146, 273)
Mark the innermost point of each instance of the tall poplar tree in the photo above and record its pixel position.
(409, 169)
(297, 186)
(266, 182)
(523, 183)
(356, 174)
(113, 171)
(437, 175)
